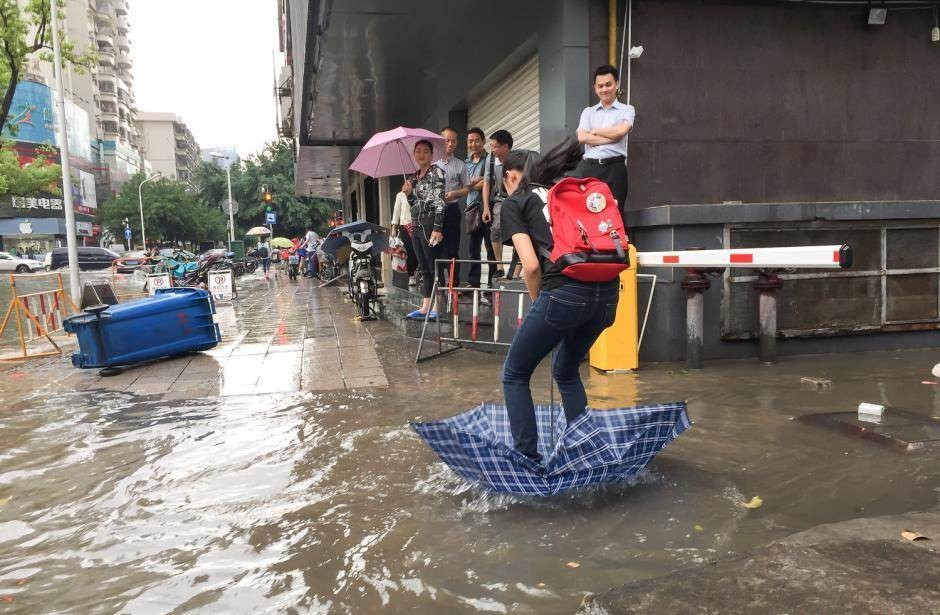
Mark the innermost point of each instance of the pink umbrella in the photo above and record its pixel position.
(390, 152)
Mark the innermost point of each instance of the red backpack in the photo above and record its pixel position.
(590, 239)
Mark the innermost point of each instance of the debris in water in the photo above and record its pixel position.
(928, 382)
(573, 565)
(698, 527)
(540, 585)
(936, 371)
(756, 502)
(819, 383)
(3, 501)
(912, 536)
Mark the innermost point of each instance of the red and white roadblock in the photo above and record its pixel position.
(799, 257)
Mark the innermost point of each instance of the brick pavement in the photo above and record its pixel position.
(277, 337)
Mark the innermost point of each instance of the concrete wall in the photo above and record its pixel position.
(159, 145)
(787, 102)
(688, 227)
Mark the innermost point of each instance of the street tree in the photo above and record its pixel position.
(40, 175)
(172, 213)
(273, 167)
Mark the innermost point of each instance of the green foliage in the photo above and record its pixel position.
(40, 175)
(273, 167)
(25, 29)
(171, 213)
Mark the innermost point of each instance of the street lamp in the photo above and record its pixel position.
(71, 241)
(140, 199)
(231, 208)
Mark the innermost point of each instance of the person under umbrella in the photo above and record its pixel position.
(425, 192)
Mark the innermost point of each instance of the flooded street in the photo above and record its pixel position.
(326, 501)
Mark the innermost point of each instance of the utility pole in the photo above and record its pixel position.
(70, 239)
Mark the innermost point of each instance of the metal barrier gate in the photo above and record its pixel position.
(37, 314)
(697, 262)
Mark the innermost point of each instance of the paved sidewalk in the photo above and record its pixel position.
(277, 337)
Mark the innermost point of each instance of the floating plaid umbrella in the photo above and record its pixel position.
(600, 446)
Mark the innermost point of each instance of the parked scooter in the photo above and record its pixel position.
(366, 242)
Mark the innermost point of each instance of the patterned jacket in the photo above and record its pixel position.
(427, 198)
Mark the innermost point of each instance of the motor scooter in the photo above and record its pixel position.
(366, 242)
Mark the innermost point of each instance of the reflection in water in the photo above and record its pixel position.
(329, 503)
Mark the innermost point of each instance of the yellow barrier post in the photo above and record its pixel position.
(617, 347)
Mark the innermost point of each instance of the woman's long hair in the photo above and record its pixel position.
(544, 170)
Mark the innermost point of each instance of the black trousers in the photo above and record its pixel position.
(426, 255)
(614, 174)
(450, 245)
(478, 240)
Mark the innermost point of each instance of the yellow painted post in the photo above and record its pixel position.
(616, 348)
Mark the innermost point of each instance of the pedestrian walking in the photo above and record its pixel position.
(455, 188)
(425, 192)
(566, 313)
(310, 243)
(403, 228)
(603, 131)
(494, 192)
(293, 263)
(478, 231)
(264, 253)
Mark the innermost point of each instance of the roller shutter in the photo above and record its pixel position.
(512, 104)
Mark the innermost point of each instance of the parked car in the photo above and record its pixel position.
(88, 258)
(132, 261)
(8, 262)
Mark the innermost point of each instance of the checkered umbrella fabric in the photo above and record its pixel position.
(600, 446)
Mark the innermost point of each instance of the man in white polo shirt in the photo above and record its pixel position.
(603, 130)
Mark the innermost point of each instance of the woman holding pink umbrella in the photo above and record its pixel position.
(425, 192)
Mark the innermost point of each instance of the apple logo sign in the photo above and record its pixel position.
(26, 228)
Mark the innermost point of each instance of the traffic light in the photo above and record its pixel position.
(268, 200)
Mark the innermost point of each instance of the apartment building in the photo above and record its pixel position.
(107, 132)
(168, 145)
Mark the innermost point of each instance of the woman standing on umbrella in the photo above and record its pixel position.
(565, 312)
(425, 192)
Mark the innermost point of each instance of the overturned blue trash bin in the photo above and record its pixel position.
(174, 321)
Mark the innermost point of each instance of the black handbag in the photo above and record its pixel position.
(473, 218)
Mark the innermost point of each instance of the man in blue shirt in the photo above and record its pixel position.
(603, 130)
(476, 163)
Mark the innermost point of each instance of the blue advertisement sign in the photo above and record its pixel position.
(270, 217)
(32, 114)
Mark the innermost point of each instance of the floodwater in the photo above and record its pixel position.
(329, 503)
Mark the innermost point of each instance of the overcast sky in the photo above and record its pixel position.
(208, 61)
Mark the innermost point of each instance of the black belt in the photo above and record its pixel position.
(611, 160)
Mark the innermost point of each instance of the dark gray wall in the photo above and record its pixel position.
(788, 102)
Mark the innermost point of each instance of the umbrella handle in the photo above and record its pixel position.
(551, 397)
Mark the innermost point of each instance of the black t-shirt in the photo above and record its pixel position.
(523, 212)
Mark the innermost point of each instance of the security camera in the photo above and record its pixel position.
(635, 52)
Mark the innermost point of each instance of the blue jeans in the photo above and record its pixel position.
(570, 317)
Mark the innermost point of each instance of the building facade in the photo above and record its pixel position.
(758, 124)
(168, 145)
